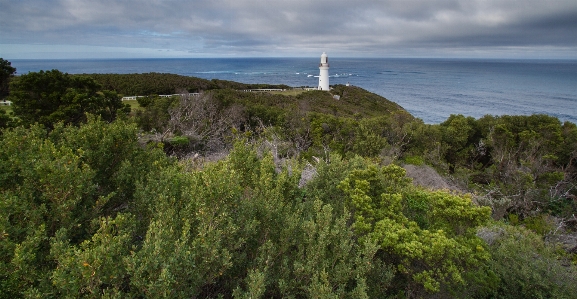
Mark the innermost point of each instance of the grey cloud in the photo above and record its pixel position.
(291, 27)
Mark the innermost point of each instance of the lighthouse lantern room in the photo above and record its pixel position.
(324, 72)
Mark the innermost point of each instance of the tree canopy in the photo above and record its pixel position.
(48, 97)
(6, 72)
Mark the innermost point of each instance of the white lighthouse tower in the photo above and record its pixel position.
(324, 74)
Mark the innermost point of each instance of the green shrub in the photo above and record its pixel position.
(540, 224)
(526, 266)
(433, 248)
(415, 160)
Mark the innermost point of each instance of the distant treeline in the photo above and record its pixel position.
(162, 83)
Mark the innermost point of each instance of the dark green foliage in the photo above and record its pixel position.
(58, 185)
(236, 227)
(162, 83)
(150, 83)
(526, 266)
(51, 96)
(92, 268)
(6, 72)
(155, 114)
(519, 164)
(459, 136)
(387, 135)
(87, 212)
(333, 133)
(5, 119)
(310, 201)
(113, 152)
(531, 157)
(239, 227)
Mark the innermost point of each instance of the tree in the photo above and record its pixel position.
(4, 119)
(458, 131)
(48, 97)
(154, 114)
(6, 72)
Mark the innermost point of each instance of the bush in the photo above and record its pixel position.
(50, 97)
(59, 188)
(526, 266)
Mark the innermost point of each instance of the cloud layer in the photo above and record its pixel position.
(292, 27)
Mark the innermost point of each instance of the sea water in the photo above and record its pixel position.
(430, 89)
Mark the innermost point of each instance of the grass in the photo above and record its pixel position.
(6, 108)
(289, 92)
(133, 105)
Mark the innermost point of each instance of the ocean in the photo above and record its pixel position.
(430, 89)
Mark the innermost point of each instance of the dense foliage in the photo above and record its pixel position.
(59, 184)
(108, 217)
(88, 212)
(6, 73)
(161, 83)
(518, 165)
(308, 198)
(47, 97)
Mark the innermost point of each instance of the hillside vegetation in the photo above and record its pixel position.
(162, 83)
(234, 194)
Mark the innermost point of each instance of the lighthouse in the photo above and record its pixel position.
(324, 74)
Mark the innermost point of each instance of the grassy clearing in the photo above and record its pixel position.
(133, 105)
(6, 108)
(289, 92)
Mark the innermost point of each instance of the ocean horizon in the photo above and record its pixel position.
(429, 88)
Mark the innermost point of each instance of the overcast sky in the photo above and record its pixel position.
(288, 28)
